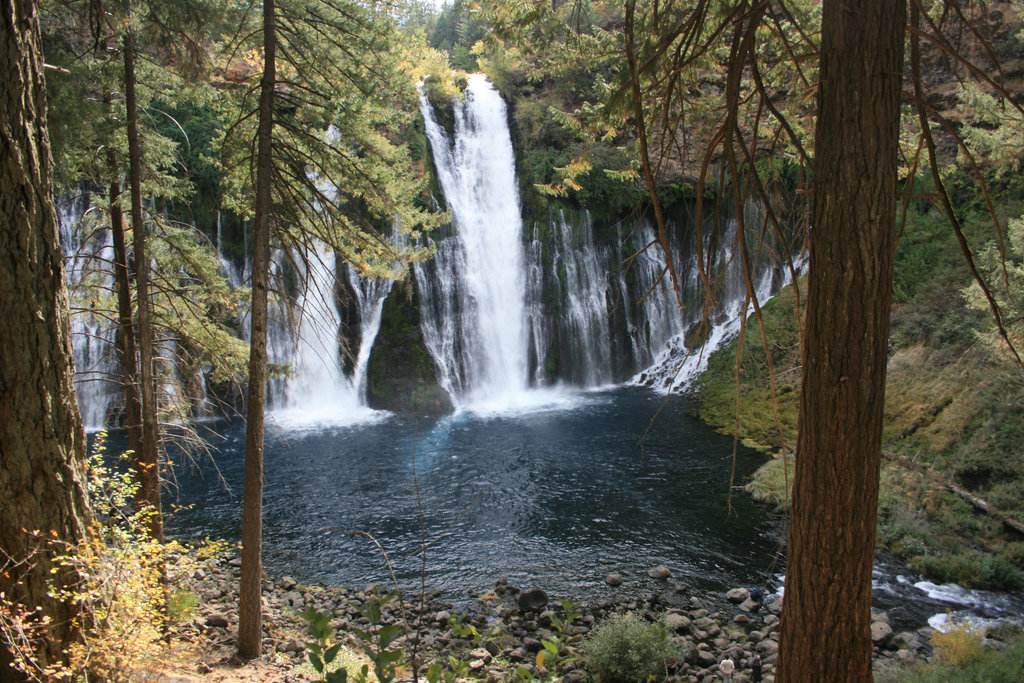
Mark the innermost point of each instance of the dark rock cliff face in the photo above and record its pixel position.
(401, 375)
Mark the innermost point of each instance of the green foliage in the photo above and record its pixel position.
(717, 391)
(457, 28)
(181, 605)
(320, 652)
(629, 648)
(772, 483)
(958, 645)
(451, 670)
(341, 171)
(377, 640)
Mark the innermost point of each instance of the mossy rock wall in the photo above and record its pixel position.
(401, 376)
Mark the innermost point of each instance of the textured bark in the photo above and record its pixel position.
(826, 612)
(250, 615)
(42, 444)
(146, 460)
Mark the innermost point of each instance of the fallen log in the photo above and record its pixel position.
(984, 505)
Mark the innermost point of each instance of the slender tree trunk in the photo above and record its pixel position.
(250, 615)
(826, 612)
(146, 460)
(42, 443)
(125, 329)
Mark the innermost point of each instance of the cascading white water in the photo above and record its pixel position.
(88, 254)
(318, 391)
(473, 315)
(578, 278)
(370, 294)
(677, 365)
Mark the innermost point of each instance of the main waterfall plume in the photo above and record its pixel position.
(473, 315)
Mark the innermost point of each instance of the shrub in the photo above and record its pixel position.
(1003, 665)
(629, 648)
(121, 594)
(959, 645)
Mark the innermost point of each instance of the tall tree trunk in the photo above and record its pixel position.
(125, 329)
(42, 443)
(250, 616)
(146, 460)
(826, 612)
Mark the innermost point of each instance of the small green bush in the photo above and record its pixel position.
(629, 648)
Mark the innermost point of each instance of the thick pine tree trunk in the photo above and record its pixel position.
(250, 615)
(826, 612)
(146, 461)
(42, 444)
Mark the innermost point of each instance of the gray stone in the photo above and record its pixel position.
(676, 622)
(532, 644)
(532, 600)
(880, 632)
(737, 595)
(442, 616)
(703, 623)
(749, 605)
(293, 645)
(907, 639)
(659, 572)
(293, 599)
(288, 583)
(613, 580)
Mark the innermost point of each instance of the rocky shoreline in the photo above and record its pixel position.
(503, 630)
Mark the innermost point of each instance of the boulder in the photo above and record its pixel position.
(676, 622)
(880, 632)
(288, 583)
(532, 600)
(659, 572)
(737, 595)
(293, 599)
(217, 620)
(293, 645)
(613, 580)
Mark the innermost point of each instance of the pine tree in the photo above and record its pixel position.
(42, 443)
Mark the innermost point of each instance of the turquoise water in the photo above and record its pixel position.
(556, 496)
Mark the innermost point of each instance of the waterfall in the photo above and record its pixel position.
(473, 314)
(307, 335)
(369, 295)
(318, 390)
(88, 253)
(676, 364)
(498, 317)
(565, 264)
